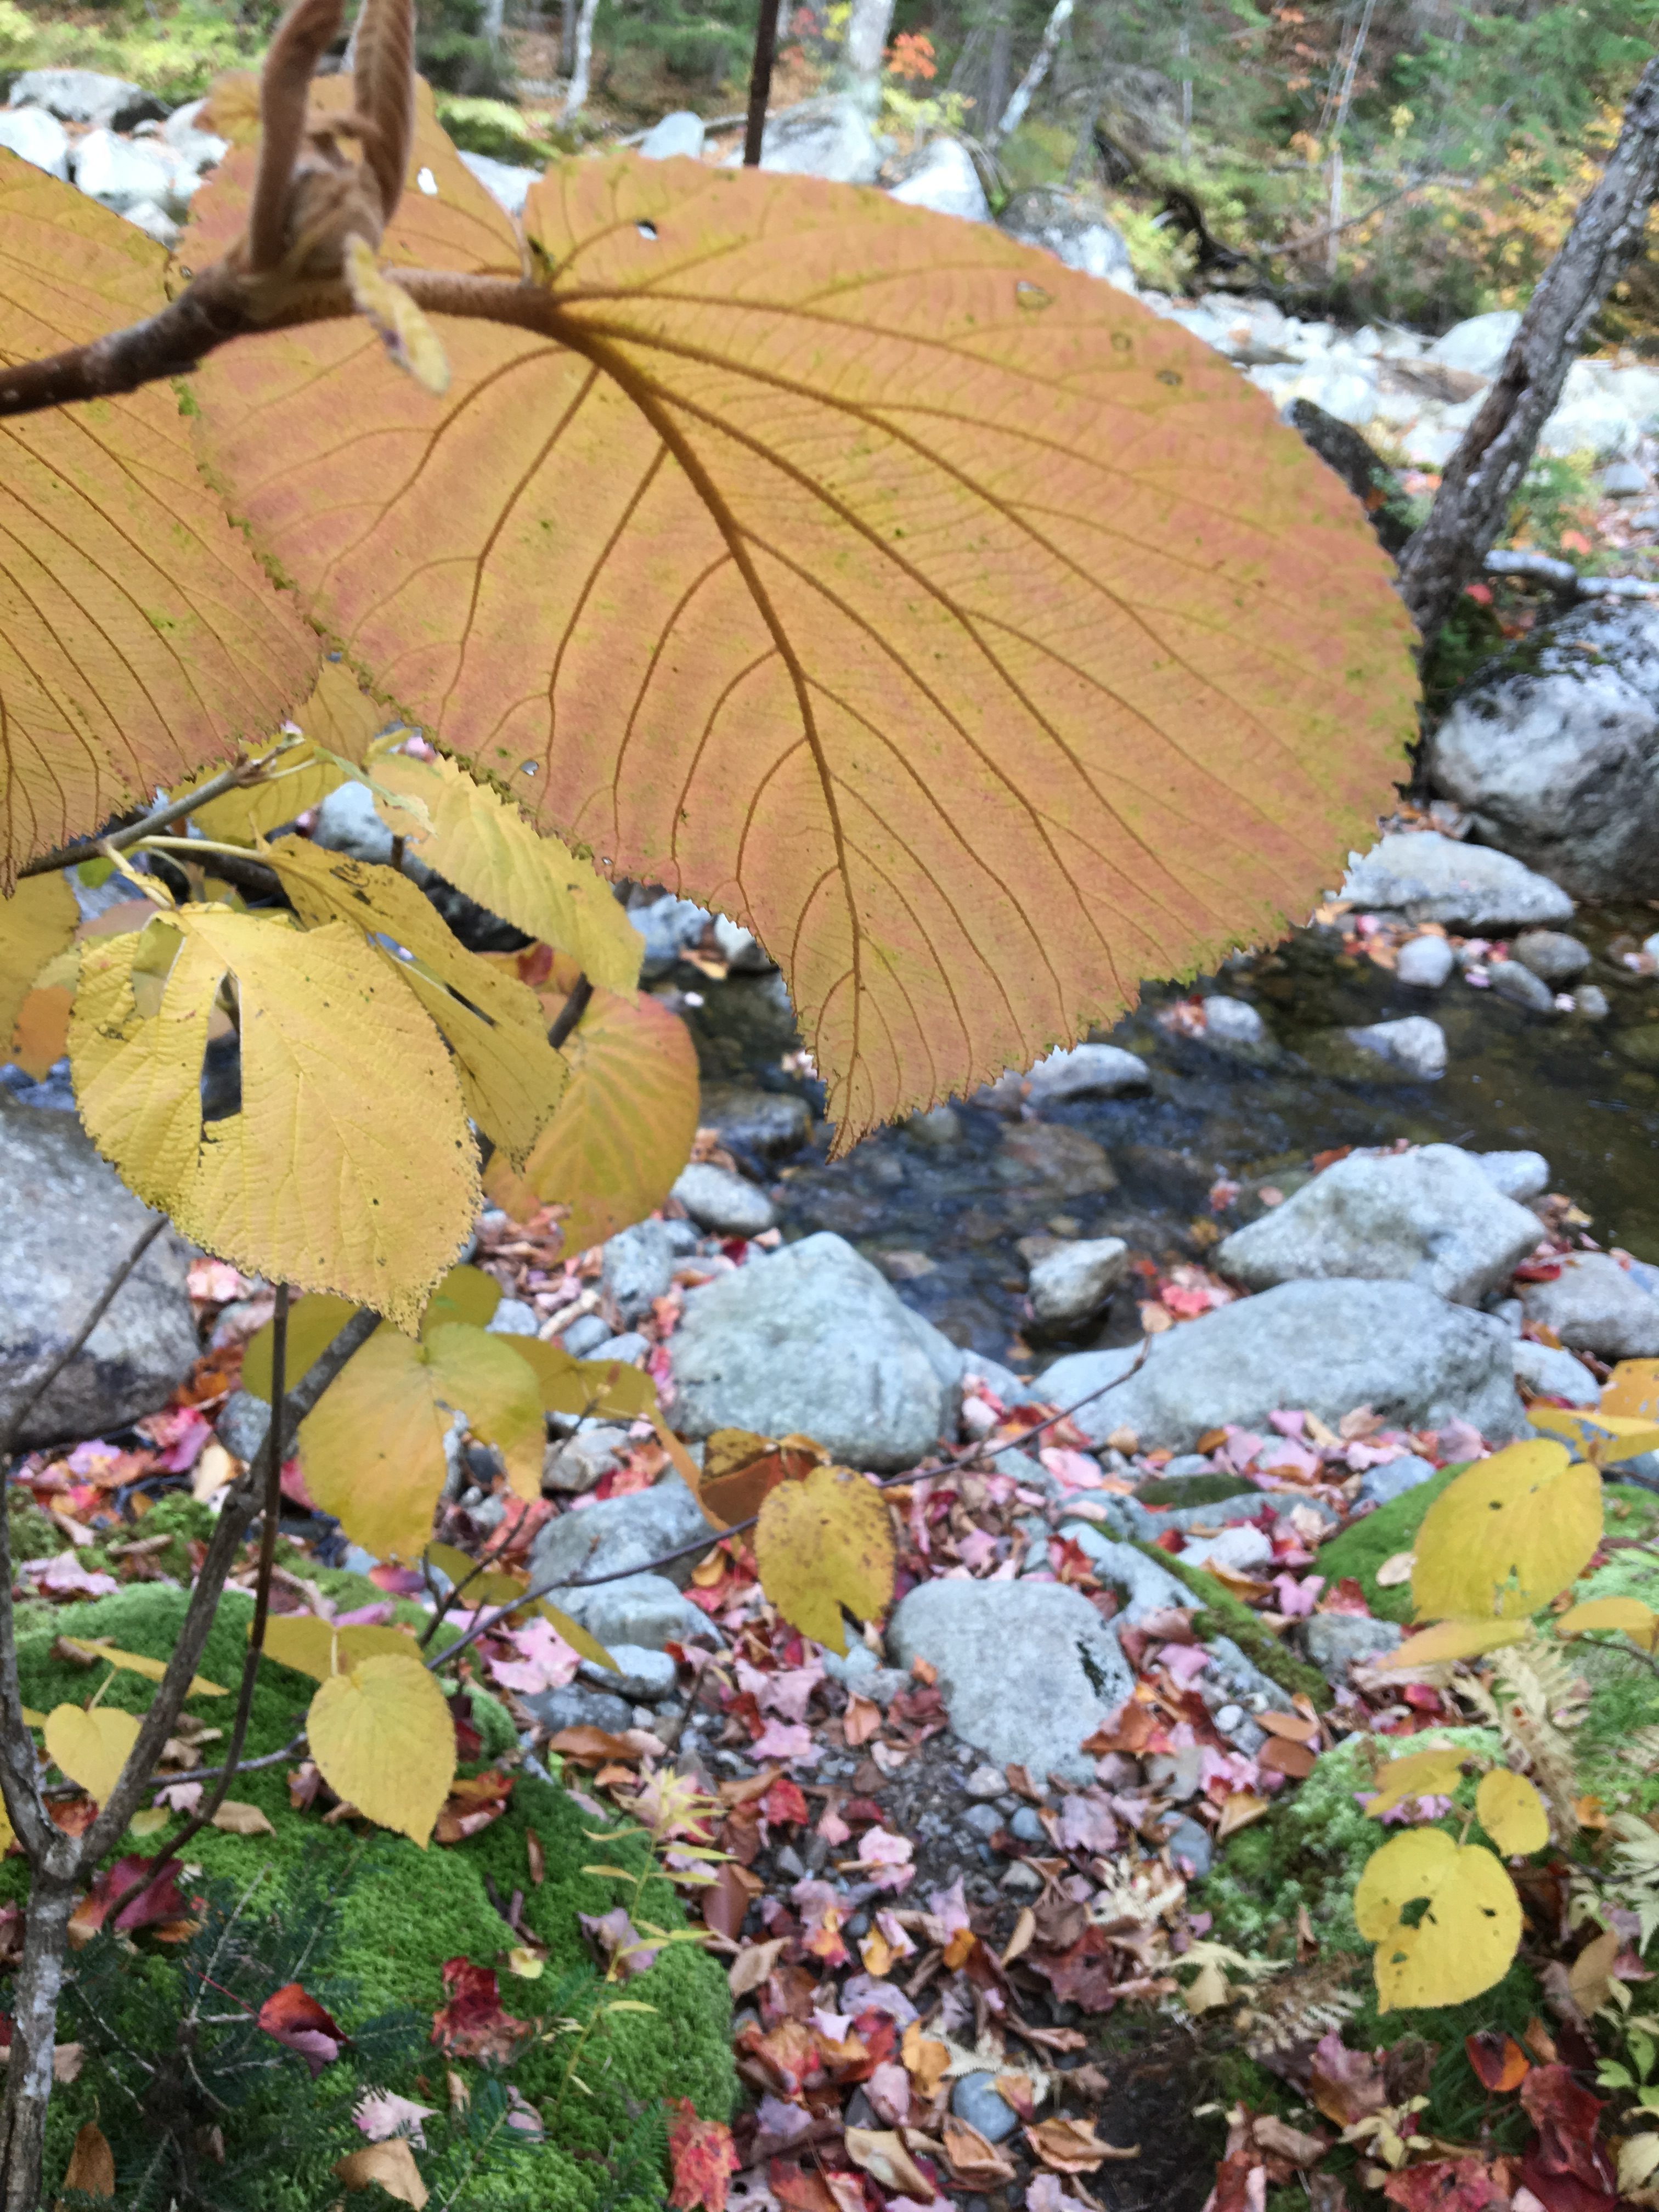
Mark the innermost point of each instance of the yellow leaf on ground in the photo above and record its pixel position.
(237, 1819)
(136, 1663)
(1511, 1812)
(1467, 1927)
(1632, 1390)
(1432, 1773)
(881, 2151)
(389, 2165)
(91, 2168)
(823, 1544)
(1451, 1639)
(511, 1077)
(36, 922)
(1637, 1620)
(1601, 1435)
(314, 1323)
(1590, 1980)
(373, 1449)
(623, 1129)
(91, 1747)
(577, 1637)
(382, 1736)
(1507, 1535)
(345, 1170)
(315, 1647)
(140, 636)
(482, 843)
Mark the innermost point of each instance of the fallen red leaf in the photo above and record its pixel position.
(1448, 2185)
(1344, 2085)
(1083, 1975)
(702, 2158)
(1499, 2061)
(298, 2021)
(473, 1802)
(472, 2024)
(141, 1892)
(1565, 2167)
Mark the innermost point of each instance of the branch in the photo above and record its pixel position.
(238, 776)
(571, 1012)
(106, 1298)
(1561, 576)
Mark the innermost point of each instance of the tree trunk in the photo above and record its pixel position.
(567, 36)
(866, 48)
(1484, 474)
(582, 66)
(34, 2037)
(996, 94)
(1014, 114)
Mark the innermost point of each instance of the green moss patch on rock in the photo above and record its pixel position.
(1223, 1614)
(1362, 1546)
(406, 1911)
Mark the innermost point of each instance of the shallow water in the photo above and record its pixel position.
(1142, 1168)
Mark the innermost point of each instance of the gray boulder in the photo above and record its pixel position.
(1593, 1305)
(725, 1204)
(1066, 226)
(507, 183)
(183, 131)
(35, 135)
(1429, 878)
(631, 1532)
(1323, 1346)
(1520, 1176)
(1512, 981)
(78, 95)
(1074, 1282)
(678, 137)
(945, 180)
(1549, 1373)
(813, 1339)
(580, 1704)
(638, 1609)
(1232, 1021)
(1027, 1670)
(1336, 1641)
(123, 173)
(1381, 1485)
(1558, 762)
(830, 137)
(1429, 1216)
(575, 1465)
(1087, 1071)
(65, 1223)
(668, 925)
(1479, 346)
(639, 1267)
(1415, 1045)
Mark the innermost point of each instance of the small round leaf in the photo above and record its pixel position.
(382, 1738)
(1511, 1812)
(1465, 1925)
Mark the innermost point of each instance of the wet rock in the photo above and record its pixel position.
(725, 1204)
(507, 183)
(1423, 962)
(1087, 1071)
(633, 1531)
(1074, 1282)
(1417, 1045)
(580, 1704)
(813, 1338)
(36, 135)
(772, 1123)
(1070, 1675)
(1519, 1176)
(829, 137)
(78, 95)
(1429, 1216)
(1233, 1021)
(1429, 878)
(1069, 229)
(1380, 1486)
(1051, 1152)
(1556, 760)
(1551, 1373)
(1591, 1001)
(975, 2099)
(1240, 1550)
(678, 137)
(1520, 988)
(1326, 1346)
(573, 1467)
(639, 1268)
(1336, 1641)
(1593, 1305)
(1551, 953)
(945, 180)
(65, 1223)
(1189, 1843)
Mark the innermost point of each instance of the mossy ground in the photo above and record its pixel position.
(1223, 1614)
(406, 1911)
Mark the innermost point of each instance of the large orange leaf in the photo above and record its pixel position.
(978, 640)
(138, 636)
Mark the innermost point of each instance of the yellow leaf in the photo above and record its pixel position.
(389, 2165)
(1605, 1438)
(465, 1294)
(1638, 2156)
(1589, 1979)
(610, 1389)
(382, 1737)
(373, 1449)
(1637, 1620)
(41, 1035)
(140, 636)
(315, 1647)
(481, 842)
(577, 1637)
(91, 2168)
(1632, 1390)
(237, 1819)
(623, 1129)
(135, 1662)
(378, 1187)
(484, 1586)
(314, 1323)
(91, 1747)
(212, 1471)
(405, 333)
(1432, 1773)
(1511, 1812)
(1452, 1639)
(511, 1077)
(150, 1821)
(1507, 1535)
(822, 1544)
(36, 922)
(1467, 1930)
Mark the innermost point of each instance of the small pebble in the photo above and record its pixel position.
(1233, 1021)
(1516, 983)
(1022, 1880)
(1027, 1826)
(1229, 1718)
(1591, 1001)
(1188, 1840)
(987, 1781)
(1423, 962)
(789, 1862)
(983, 1821)
(975, 2099)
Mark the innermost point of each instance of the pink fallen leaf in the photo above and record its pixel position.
(545, 1661)
(382, 2114)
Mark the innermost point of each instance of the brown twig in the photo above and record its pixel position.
(760, 83)
(106, 1298)
(238, 776)
(581, 991)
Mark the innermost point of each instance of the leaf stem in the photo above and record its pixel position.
(238, 776)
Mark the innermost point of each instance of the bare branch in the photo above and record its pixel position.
(106, 1298)
(238, 776)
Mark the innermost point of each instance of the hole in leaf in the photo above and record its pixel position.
(426, 183)
(159, 944)
(1169, 376)
(1032, 295)
(647, 229)
(527, 767)
(1411, 1914)
(221, 1086)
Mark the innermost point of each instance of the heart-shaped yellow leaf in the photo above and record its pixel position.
(383, 1738)
(314, 1647)
(1432, 1773)
(91, 1747)
(823, 1544)
(1466, 1924)
(1508, 1534)
(1511, 1812)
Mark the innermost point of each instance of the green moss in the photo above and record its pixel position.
(1224, 1615)
(35, 1534)
(1359, 1551)
(406, 1911)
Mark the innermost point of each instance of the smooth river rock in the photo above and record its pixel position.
(1593, 1305)
(1429, 878)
